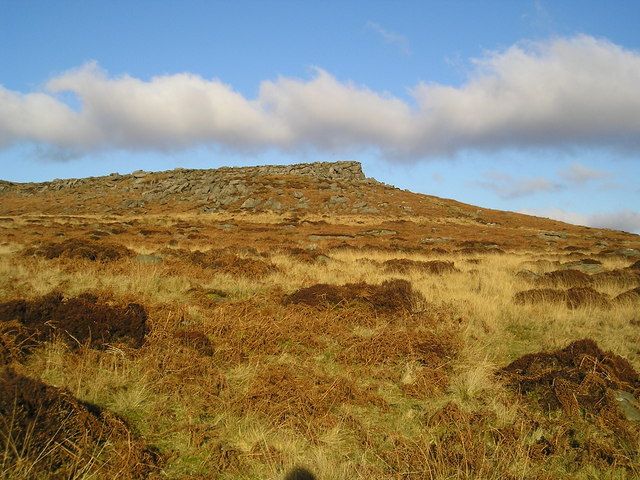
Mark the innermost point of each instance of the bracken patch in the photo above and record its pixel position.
(405, 265)
(540, 295)
(81, 249)
(77, 320)
(58, 436)
(573, 298)
(391, 296)
(223, 261)
(587, 398)
(196, 341)
(586, 297)
(302, 398)
(389, 345)
(566, 278)
(578, 378)
(630, 296)
(624, 277)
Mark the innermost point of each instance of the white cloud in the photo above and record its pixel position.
(626, 220)
(579, 91)
(508, 187)
(391, 38)
(579, 174)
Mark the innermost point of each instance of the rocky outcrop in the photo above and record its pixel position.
(230, 188)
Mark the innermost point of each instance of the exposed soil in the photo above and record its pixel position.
(573, 298)
(77, 320)
(81, 248)
(566, 278)
(56, 433)
(578, 378)
(231, 264)
(391, 296)
(405, 265)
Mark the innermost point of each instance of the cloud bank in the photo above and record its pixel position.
(579, 174)
(578, 91)
(390, 38)
(507, 187)
(626, 220)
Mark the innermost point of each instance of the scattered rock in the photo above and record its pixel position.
(272, 204)
(380, 232)
(148, 259)
(553, 236)
(329, 236)
(250, 203)
(586, 265)
(337, 200)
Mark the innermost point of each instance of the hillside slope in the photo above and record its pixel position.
(340, 205)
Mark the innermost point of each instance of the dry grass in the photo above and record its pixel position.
(233, 381)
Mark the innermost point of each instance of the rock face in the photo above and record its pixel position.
(259, 188)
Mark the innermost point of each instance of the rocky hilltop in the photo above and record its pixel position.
(326, 203)
(259, 188)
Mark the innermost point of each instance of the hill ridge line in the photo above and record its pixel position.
(346, 170)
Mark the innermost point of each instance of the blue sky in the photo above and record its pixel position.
(531, 106)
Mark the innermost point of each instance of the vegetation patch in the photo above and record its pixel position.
(580, 378)
(405, 265)
(625, 277)
(576, 297)
(303, 399)
(46, 432)
(81, 249)
(630, 296)
(566, 278)
(77, 320)
(391, 296)
(223, 261)
(195, 340)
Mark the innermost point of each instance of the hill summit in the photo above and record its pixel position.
(337, 193)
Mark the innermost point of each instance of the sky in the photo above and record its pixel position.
(529, 106)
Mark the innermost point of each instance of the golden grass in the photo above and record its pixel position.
(340, 391)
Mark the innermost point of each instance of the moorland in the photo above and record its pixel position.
(236, 323)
